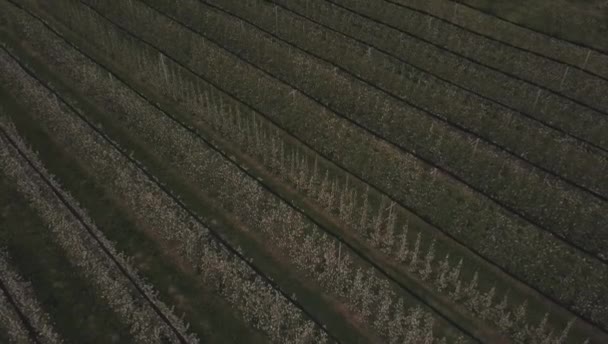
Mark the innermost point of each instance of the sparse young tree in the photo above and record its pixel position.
(425, 273)
(414, 261)
(442, 274)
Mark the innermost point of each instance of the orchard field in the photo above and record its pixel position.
(300, 171)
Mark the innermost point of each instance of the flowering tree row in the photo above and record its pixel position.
(177, 80)
(85, 251)
(562, 218)
(566, 211)
(547, 106)
(230, 276)
(377, 224)
(539, 144)
(538, 70)
(10, 322)
(256, 135)
(551, 46)
(276, 220)
(383, 230)
(23, 295)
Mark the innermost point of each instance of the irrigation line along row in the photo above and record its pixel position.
(568, 64)
(591, 107)
(490, 14)
(332, 234)
(425, 219)
(75, 213)
(287, 201)
(423, 70)
(381, 138)
(4, 289)
(164, 188)
(394, 96)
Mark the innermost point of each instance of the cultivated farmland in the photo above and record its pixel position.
(299, 171)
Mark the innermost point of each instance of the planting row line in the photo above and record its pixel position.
(567, 81)
(230, 179)
(528, 57)
(245, 122)
(21, 295)
(431, 140)
(118, 283)
(173, 282)
(62, 291)
(158, 211)
(220, 118)
(228, 190)
(14, 324)
(552, 108)
(565, 228)
(464, 14)
(20, 313)
(177, 83)
(279, 93)
(549, 149)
